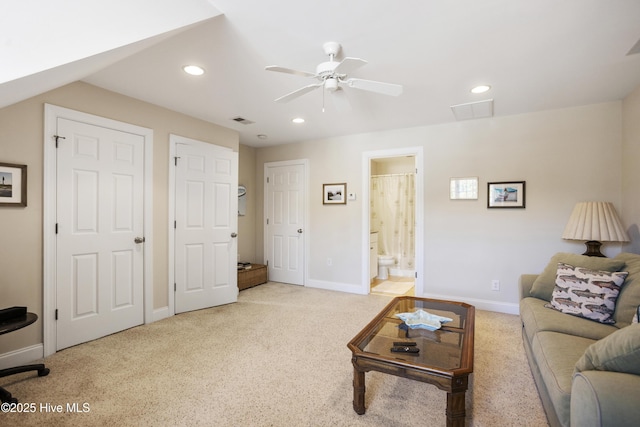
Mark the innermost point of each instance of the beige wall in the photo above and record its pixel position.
(564, 156)
(393, 165)
(21, 141)
(630, 170)
(247, 223)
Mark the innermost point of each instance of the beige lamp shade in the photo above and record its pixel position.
(595, 222)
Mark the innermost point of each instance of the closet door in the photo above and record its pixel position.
(206, 247)
(284, 208)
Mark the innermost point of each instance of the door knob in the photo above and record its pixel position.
(300, 230)
(139, 240)
(234, 234)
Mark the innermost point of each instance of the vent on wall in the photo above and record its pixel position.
(473, 110)
(242, 120)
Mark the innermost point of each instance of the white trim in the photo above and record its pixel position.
(21, 356)
(367, 156)
(336, 286)
(51, 115)
(265, 208)
(161, 313)
(481, 304)
(171, 199)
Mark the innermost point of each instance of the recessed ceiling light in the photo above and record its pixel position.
(194, 70)
(480, 89)
(298, 120)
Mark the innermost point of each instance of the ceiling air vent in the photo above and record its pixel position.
(473, 110)
(242, 120)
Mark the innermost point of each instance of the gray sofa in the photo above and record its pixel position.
(587, 373)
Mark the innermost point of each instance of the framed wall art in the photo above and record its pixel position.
(463, 188)
(334, 194)
(507, 194)
(13, 185)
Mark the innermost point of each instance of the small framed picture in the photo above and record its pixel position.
(508, 194)
(13, 185)
(463, 188)
(334, 194)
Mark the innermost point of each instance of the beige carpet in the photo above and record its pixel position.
(278, 357)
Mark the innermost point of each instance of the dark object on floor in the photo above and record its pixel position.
(17, 320)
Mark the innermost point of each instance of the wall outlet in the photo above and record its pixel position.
(495, 285)
(329, 262)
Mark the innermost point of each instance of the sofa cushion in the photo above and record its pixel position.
(604, 399)
(535, 317)
(619, 352)
(629, 298)
(582, 292)
(543, 286)
(556, 355)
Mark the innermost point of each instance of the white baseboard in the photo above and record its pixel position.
(481, 304)
(22, 356)
(335, 286)
(159, 314)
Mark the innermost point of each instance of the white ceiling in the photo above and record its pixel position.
(536, 55)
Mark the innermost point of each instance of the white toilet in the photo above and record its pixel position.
(384, 262)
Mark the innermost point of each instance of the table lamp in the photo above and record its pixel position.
(595, 222)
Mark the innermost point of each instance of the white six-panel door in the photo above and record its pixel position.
(285, 201)
(206, 213)
(99, 265)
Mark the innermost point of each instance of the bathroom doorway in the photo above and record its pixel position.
(394, 206)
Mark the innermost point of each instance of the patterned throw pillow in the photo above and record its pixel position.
(582, 292)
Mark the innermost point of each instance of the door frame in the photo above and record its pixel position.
(367, 156)
(51, 115)
(305, 203)
(174, 140)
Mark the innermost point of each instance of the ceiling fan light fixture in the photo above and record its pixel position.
(298, 120)
(481, 89)
(194, 70)
(333, 76)
(331, 84)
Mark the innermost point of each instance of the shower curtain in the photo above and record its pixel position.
(393, 216)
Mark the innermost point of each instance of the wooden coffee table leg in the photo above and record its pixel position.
(358, 391)
(455, 409)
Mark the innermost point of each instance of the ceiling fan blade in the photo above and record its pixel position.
(340, 101)
(373, 86)
(347, 65)
(296, 93)
(289, 71)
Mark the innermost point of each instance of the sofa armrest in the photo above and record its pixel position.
(525, 283)
(605, 399)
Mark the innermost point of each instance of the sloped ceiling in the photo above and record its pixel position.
(536, 55)
(45, 44)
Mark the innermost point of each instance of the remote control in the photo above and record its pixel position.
(404, 344)
(405, 349)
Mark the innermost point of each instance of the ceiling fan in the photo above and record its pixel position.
(333, 77)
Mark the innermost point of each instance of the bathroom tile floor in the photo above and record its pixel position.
(402, 281)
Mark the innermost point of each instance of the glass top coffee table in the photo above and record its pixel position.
(444, 358)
